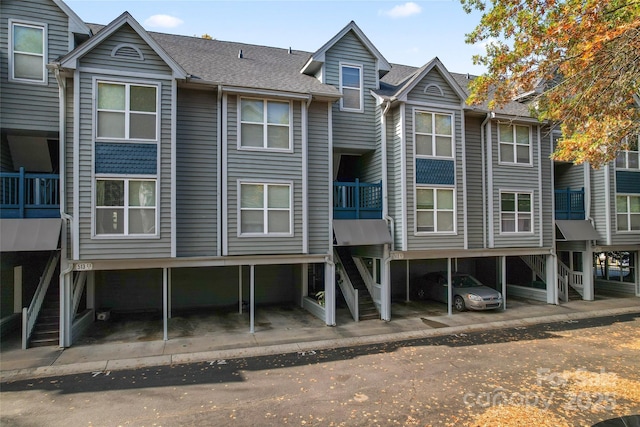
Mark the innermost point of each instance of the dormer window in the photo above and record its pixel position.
(351, 87)
(28, 52)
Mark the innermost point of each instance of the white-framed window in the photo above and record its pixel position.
(629, 158)
(28, 52)
(265, 209)
(264, 124)
(628, 212)
(433, 133)
(435, 210)
(126, 111)
(516, 212)
(351, 83)
(515, 144)
(125, 207)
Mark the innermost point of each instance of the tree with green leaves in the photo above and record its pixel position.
(577, 60)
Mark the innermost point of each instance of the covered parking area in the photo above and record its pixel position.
(500, 270)
(161, 295)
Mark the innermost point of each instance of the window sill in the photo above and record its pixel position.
(127, 237)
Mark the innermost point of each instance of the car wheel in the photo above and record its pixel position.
(458, 303)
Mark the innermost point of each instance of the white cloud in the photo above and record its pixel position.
(403, 10)
(163, 21)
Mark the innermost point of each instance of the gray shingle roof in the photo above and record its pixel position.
(261, 67)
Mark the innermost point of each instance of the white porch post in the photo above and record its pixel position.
(449, 288)
(587, 273)
(385, 284)
(330, 293)
(305, 282)
(503, 280)
(165, 304)
(17, 289)
(552, 279)
(65, 307)
(252, 295)
(170, 293)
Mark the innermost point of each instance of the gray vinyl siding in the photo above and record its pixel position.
(516, 178)
(261, 167)
(100, 56)
(426, 241)
(371, 162)
(24, 105)
(434, 77)
(352, 130)
(474, 178)
(196, 173)
(598, 203)
(68, 160)
(548, 232)
(319, 161)
(394, 166)
(569, 176)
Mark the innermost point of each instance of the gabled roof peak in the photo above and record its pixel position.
(318, 57)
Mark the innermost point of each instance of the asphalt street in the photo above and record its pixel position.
(443, 380)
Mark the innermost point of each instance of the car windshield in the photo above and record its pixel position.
(465, 282)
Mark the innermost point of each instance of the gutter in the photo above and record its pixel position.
(385, 189)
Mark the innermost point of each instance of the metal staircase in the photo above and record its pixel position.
(41, 320)
(366, 307)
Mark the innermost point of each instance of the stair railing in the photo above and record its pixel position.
(30, 314)
(575, 279)
(348, 291)
(375, 290)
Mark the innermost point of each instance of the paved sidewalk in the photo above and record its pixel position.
(279, 332)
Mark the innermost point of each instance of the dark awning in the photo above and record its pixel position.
(29, 234)
(571, 230)
(356, 232)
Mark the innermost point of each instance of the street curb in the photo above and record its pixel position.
(269, 350)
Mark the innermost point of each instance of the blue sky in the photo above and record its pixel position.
(409, 33)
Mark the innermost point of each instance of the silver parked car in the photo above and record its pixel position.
(468, 292)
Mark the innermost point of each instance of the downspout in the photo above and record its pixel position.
(219, 171)
(385, 180)
(64, 332)
(484, 177)
(386, 261)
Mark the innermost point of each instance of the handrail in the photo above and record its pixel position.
(574, 278)
(30, 314)
(348, 291)
(374, 289)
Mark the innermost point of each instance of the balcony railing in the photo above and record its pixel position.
(569, 204)
(29, 195)
(357, 200)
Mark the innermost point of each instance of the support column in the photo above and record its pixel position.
(587, 273)
(552, 279)
(165, 304)
(304, 280)
(252, 297)
(407, 280)
(385, 285)
(65, 306)
(449, 288)
(503, 281)
(330, 293)
(240, 289)
(17, 289)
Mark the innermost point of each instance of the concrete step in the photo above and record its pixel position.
(44, 342)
